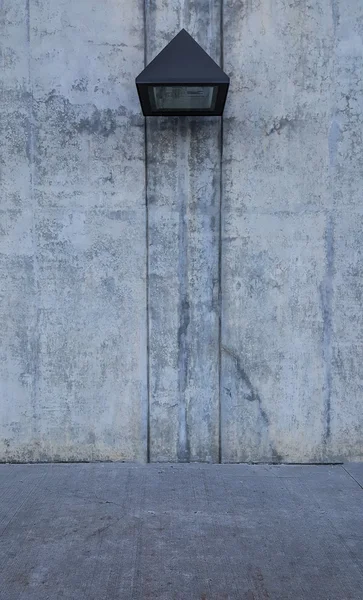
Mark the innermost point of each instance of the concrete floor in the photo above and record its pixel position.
(181, 532)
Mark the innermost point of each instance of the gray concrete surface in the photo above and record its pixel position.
(73, 345)
(291, 252)
(181, 532)
(190, 289)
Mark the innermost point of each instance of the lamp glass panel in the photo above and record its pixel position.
(183, 98)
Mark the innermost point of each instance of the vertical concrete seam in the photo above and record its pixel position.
(220, 457)
(184, 304)
(30, 156)
(327, 287)
(147, 257)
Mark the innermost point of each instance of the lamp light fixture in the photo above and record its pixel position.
(183, 80)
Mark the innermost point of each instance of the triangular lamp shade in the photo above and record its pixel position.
(183, 80)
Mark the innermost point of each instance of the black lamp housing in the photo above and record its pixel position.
(183, 80)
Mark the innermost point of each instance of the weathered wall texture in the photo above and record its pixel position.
(183, 191)
(73, 230)
(184, 289)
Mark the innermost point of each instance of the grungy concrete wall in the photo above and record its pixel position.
(182, 289)
(183, 190)
(73, 230)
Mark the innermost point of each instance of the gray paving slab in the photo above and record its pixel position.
(180, 532)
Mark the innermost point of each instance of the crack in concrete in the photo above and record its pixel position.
(253, 394)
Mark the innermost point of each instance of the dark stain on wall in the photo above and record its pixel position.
(326, 299)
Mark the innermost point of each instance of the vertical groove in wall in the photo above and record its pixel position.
(30, 155)
(220, 291)
(184, 304)
(327, 285)
(147, 262)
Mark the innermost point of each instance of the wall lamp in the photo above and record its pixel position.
(183, 80)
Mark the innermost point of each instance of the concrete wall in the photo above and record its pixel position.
(184, 289)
